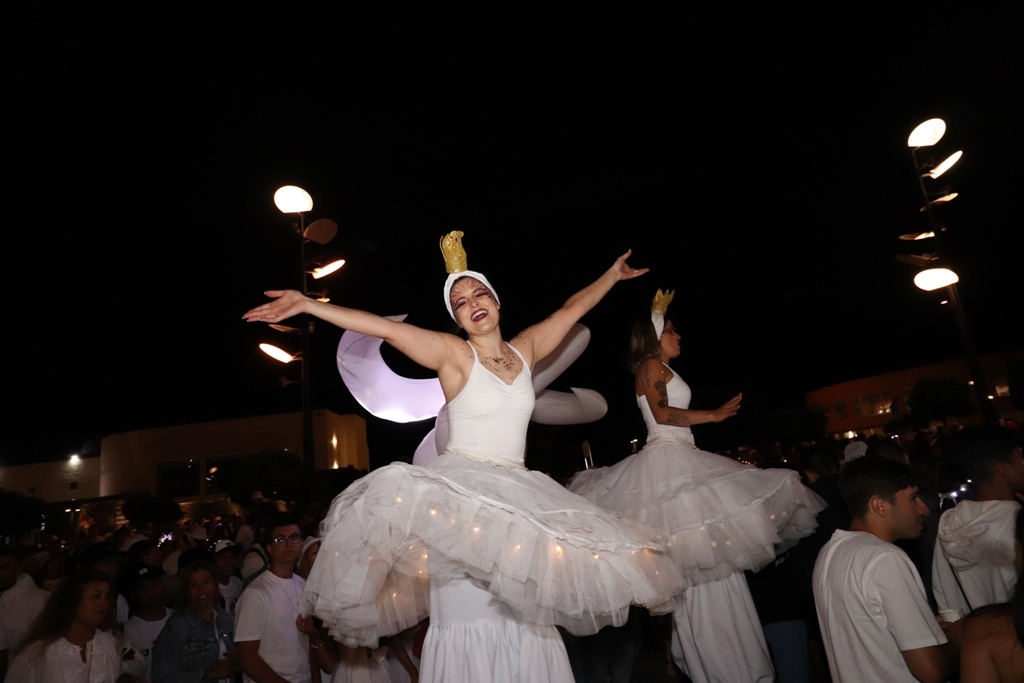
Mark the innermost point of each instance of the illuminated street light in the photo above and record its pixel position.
(935, 278)
(945, 165)
(927, 133)
(944, 198)
(324, 271)
(278, 354)
(292, 199)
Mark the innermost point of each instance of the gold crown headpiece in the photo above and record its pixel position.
(456, 265)
(661, 301)
(658, 308)
(454, 254)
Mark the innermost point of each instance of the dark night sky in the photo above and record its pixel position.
(757, 164)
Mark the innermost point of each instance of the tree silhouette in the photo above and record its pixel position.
(163, 512)
(940, 399)
(276, 473)
(19, 514)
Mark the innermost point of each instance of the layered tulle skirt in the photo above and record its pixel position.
(550, 556)
(715, 516)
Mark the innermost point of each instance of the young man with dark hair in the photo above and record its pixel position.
(974, 559)
(271, 648)
(872, 609)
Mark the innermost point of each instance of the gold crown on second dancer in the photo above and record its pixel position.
(661, 301)
(453, 252)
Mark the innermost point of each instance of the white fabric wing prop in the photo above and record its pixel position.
(385, 394)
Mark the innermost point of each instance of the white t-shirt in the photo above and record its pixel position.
(871, 607)
(230, 593)
(19, 606)
(266, 611)
(143, 634)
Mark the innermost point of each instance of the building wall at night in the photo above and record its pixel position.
(148, 459)
(184, 460)
(54, 482)
(864, 405)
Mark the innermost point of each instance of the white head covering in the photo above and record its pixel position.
(455, 263)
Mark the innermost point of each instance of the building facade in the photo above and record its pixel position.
(865, 406)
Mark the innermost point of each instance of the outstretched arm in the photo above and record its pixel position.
(537, 341)
(652, 378)
(430, 349)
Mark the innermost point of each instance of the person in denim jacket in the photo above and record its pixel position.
(198, 642)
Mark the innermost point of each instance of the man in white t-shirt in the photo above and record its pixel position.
(271, 648)
(875, 619)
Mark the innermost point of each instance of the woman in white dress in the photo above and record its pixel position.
(501, 554)
(71, 640)
(716, 516)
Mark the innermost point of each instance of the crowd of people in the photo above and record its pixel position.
(112, 613)
(934, 578)
(877, 561)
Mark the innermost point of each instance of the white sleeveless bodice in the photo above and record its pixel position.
(678, 397)
(488, 419)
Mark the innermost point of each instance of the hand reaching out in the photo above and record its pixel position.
(286, 303)
(623, 271)
(728, 409)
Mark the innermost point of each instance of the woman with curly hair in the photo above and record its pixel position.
(72, 641)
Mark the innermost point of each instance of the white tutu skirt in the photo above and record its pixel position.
(550, 556)
(716, 516)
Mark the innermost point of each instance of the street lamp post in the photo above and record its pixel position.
(294, 200)
(935, 277)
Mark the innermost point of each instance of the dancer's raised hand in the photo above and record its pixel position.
(728, 409)
(285, 304)
(623, 271)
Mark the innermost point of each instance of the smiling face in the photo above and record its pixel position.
(201, 590)
(474, 305)
(92, 608)
(225, 562)
(670, 341)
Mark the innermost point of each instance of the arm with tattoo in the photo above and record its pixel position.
(652, 379)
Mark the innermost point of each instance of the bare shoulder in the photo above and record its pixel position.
(649, 372)
(989, 626)
(989, 644)
(460, 353)
(654, 368)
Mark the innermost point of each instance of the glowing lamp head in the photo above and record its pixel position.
(324, 271)
(935, 278)
(277, 353)
(927, 133)
(292, 199)
(945, 165)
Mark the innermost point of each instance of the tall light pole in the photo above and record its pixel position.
(296, 201)
(935, 275)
